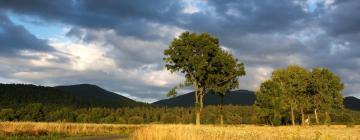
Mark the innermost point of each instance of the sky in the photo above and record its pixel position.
(119, 44)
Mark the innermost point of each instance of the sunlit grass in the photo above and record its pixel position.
(32, 130)
(29, 130)
(246, 132)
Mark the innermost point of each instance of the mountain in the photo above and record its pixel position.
(15, 95)
(237, 97)
(98, 96)
(352, 103)
(84, 95)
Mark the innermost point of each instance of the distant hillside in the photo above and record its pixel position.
(238, 97)
(98, 96)
(352, 103)
(15, 95)
(85, 95)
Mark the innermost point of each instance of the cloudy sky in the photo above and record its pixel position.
(119, 44)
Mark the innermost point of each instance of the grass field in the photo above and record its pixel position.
(246, 132)
(32, 131)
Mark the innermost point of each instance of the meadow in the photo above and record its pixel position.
(246, 132)
(32, 130)
(53, 131)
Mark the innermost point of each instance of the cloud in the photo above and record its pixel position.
(130, 18)
(119, 44)
(340, 18)
(14, 38)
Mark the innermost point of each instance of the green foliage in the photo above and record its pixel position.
(296, 89)
(7, 114)
(172, 92)
(32, 112)
(270, 99)
(170, 118)
(63, 115)
(205, 65)
(109, 119)
(293, 82)
(136, 120)
(326, 89)
(233, 114)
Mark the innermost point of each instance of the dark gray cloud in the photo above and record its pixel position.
(263, 34)
(125, 17)
(237, 17)
(14, 38)
(342, 18)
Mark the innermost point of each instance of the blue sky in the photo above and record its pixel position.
(41, 29)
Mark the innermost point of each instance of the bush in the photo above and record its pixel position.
(120, 120)
(135, 120)
(63, 115)
(7, 114)
(170, 118)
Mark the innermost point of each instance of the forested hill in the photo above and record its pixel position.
(85, 95)
(98, 96)
(15, 95)
(352, 103)
(237, 97)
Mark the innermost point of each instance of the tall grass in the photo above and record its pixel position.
(38, 130)
(32, 130)
(245, 132)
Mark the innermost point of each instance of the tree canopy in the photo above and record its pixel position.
(296, 89)
(205, 65)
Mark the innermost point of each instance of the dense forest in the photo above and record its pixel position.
(150, 114)
(37, 103)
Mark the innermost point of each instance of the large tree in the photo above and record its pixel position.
(205, 65)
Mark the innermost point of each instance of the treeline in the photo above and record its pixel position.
(145, 115)
(294, 92)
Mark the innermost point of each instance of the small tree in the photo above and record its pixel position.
(269, 99)
(224, 76)
(293, 82)
(325, 89)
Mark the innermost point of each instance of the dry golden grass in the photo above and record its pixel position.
(246, 132)
(68, 129)
(184, 132)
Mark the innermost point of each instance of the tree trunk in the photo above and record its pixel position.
(197, 117)
(199, 106)
(221, 111)
(201, 103)
(327, 118)
(316, 116)
(197, 113)
(292, 116)
(302, 116)
(221, 120)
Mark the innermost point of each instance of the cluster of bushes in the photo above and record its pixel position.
(143, 115)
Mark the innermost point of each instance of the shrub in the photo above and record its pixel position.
(135, 120)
